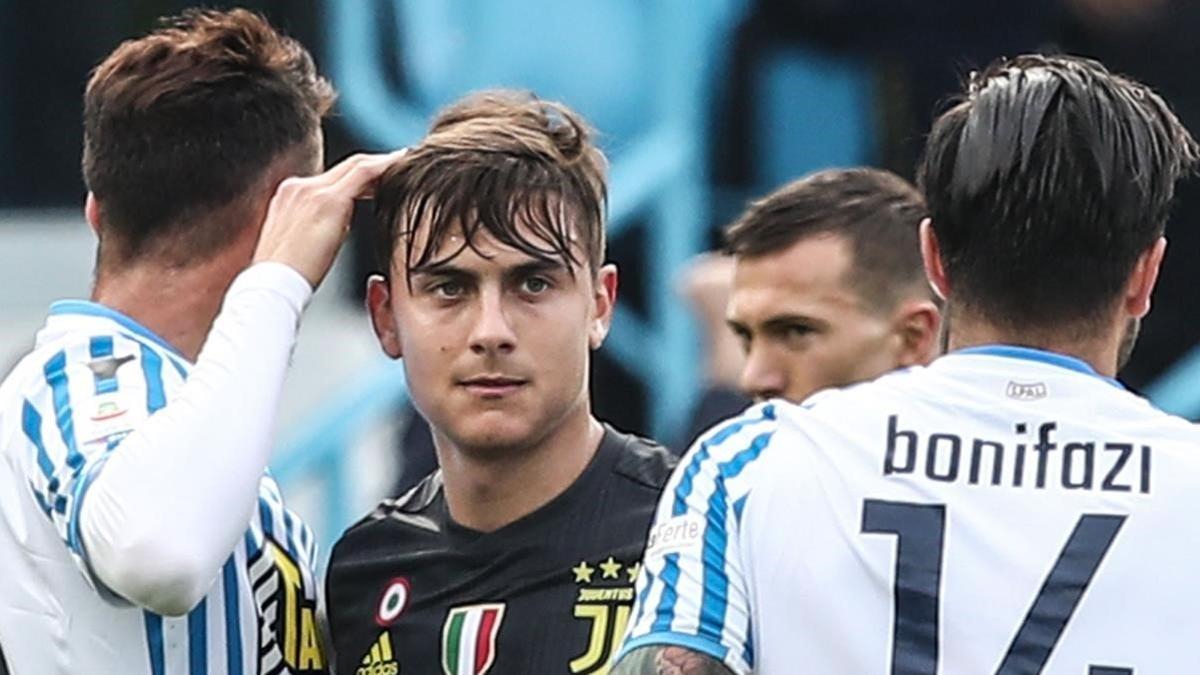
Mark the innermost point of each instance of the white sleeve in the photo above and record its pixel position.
(163, 512)
(692, 591)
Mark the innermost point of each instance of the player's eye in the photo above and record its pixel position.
(796, 335)
(448, 289)
(535, 285)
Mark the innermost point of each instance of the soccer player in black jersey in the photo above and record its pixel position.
(519, 555)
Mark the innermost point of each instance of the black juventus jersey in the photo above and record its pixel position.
(411, 591)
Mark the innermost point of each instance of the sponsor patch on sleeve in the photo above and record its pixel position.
(676, 534)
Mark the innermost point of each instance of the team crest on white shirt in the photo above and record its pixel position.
(1026, 391)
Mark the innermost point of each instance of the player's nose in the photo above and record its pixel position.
(493, 330)
(761, 379)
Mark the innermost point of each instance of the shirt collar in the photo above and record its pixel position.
(1040, 356)
(88, 308)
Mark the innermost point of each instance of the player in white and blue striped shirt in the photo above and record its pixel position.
(1008, 509)
(139, 531)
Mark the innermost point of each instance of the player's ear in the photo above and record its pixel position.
(1143, 279)
(604, 298)
(931, 255)
(91, 211)
(917, 325)
(383, 318)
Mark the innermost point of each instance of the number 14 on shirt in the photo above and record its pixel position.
(919, 530)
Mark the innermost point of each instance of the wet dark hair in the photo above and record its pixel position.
(521, 169)
(877, 212)
(1045, 183)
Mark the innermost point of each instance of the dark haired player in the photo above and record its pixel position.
(519, 554)
(1008, 509)
(828, 288)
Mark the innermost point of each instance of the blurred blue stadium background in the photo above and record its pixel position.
(701, 104)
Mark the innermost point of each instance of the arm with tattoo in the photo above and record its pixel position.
(668, 660)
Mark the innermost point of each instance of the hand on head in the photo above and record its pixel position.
(309, 216)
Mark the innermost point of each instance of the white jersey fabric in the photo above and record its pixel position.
(131, 479)
(1004, 510)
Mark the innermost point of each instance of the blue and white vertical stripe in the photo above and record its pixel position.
(695, 594)
(72, 418)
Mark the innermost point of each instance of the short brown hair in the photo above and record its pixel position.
(521, 169)
(877, 212)
(184, 121)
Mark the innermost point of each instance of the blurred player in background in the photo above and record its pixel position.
(1010, 508)
(520, 553)
(138, 531)
(826, 287)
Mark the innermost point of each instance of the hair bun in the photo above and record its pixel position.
(566, 133)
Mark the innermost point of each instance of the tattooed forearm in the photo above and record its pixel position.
(667, 660)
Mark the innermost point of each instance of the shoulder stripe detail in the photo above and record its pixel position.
(664, 614)
(154, 642)
(87, 308)
(31, 423)
(156, 398)
(197, 622)
(647, 584)
(55, 371)
(233, 617)
(100, 347)
(684, 489)
(172, 355)
(714, 580)
(715, 599)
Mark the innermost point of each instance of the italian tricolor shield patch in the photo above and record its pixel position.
(469, 638)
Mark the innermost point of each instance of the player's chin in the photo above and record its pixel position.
(496, 431)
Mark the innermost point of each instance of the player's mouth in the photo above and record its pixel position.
(492, 386)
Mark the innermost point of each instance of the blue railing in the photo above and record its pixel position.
(318, 450)
(1178, 390)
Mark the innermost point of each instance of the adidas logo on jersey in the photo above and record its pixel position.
(379, 661)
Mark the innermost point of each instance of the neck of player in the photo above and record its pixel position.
(1103, 350)
(178, 304)
(486, 491)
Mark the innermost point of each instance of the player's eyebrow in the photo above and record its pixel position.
(738, 327)
(536, 266)
(444, 268)
(781, 321)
